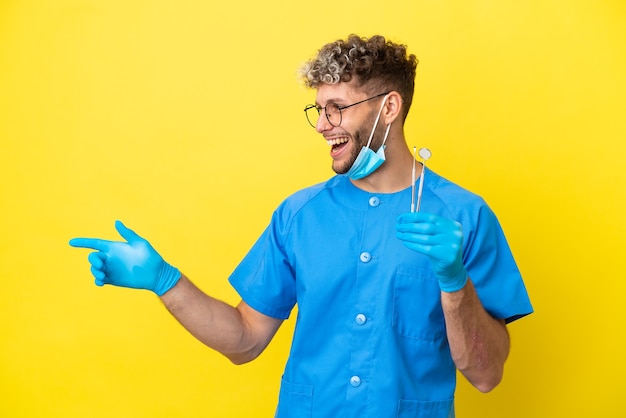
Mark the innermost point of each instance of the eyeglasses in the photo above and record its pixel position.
(331, 110)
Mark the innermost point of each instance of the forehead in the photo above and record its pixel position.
(338, 93)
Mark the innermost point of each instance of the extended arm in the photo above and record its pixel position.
(240, 333)
(479, 343)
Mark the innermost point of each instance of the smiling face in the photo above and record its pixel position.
(357, 121)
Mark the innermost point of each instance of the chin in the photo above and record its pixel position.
(337, 171)
(339, 168)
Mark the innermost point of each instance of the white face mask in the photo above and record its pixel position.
(368, 161)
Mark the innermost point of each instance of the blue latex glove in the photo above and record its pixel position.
(133, 264)
(441, 240)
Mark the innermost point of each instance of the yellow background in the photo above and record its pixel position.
(184, 119)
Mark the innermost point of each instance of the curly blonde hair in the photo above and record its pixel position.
(376, 65)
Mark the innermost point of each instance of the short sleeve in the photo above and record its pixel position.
(493, 270)
(264, 279)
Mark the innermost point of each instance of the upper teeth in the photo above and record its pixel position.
(336, 141)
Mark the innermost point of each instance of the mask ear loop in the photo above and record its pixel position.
(386, 135)
(369, 141)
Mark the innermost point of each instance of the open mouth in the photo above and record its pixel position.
(337, 144)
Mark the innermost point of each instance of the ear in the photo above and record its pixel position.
(393, 107)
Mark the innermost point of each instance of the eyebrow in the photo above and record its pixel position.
(336, 101)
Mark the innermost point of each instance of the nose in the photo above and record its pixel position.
(323, 124)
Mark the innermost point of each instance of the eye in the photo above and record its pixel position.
(333, 109)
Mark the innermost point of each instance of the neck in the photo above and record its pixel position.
(395, 173)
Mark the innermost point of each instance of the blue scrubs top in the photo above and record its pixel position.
(370, 338)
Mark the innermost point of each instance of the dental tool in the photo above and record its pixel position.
(413, 182)
(425, 154)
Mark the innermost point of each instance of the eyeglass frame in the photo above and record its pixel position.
(339, 108)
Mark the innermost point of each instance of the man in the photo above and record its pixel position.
(391, 302)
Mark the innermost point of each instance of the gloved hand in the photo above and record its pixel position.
(133, 264)
(441, 240)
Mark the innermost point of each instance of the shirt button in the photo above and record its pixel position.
(374, 201)
(365, 257)
(355, 381)
(360, 319)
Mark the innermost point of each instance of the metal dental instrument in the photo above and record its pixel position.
(413, 182)
(425, 154)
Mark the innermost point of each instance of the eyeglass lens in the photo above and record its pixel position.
(332, 111)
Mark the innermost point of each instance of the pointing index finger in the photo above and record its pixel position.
(93, 243)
